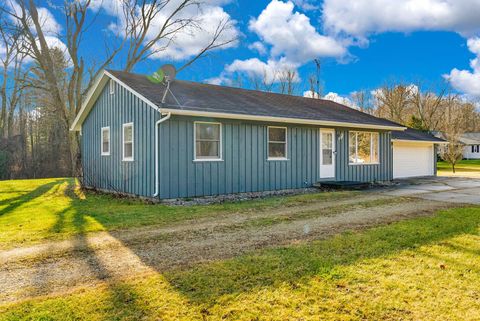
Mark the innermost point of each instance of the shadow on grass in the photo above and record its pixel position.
(294, 264)
(15, 202)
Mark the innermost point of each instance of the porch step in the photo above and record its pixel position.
(343, 185)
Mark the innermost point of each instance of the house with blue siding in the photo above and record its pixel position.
(185, 139)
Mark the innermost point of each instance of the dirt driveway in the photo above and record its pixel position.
(63, 266)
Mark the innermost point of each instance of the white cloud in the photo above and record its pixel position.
(292, 41)
(306, 5)
(333, 97)
(310, 94)
(49, 24)
(340, 99)
(360, 18)
(291, 34)
(256, 68)
(259, 47)
(468, 81)
(188, 41)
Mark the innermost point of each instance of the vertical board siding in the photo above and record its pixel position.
(244, 167)
(110, 172)
(363, 173)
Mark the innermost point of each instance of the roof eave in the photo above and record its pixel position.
(92, 96)
(184, 112)
(418, 141)
(95, 91)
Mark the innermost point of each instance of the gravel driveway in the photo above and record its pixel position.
(54, 268)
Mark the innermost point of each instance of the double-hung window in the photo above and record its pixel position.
(127, 138)
(363, 147)
(105, 141)
(208, 141)
(277, 143)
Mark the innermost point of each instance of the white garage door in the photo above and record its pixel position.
(412, 159)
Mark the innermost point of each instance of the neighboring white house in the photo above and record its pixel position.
(471, 150)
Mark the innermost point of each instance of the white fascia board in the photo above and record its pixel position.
(142, 98)
(95, 91)
(418, 141)
(92, 96)
(183, 112)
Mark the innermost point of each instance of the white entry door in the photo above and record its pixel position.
(327, 153)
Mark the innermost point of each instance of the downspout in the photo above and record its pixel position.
(157, 128)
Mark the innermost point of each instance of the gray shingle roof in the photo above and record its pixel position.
(415, 135)
(220, 99)
(470, 139)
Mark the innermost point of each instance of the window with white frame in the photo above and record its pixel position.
(277, 143)
(112, 87)
(363, 147)
(127, 138)
(105, 141)
(208, 141)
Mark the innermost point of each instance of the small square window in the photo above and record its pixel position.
(105, 141)
(208, 141)
(277, 143)
(128, 142)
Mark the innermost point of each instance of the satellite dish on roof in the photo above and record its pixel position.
(169, 72)
(157, 77)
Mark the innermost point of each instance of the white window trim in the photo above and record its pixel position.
(268, 143)
(356, 147)
(128, 159)
(111, 86)
(207, 158)
(101, 141)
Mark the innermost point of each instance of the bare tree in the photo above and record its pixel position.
(453, 129)
(427, 106)
(287, 81)
(11, 64)
(393, 102)
(363, 100)
(141, 37)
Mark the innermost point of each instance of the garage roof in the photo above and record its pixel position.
(415, 135)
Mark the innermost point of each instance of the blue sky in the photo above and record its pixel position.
(361, 46)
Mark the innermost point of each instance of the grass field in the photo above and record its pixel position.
(36, 210)
(464, 166)
(419, 269)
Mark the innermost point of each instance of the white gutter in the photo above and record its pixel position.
(157, 128)
(418, 141)
(185, 112)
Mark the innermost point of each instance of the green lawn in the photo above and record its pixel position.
(420, 269)
(35, 210)
(464, 166)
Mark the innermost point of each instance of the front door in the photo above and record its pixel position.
(327, 153)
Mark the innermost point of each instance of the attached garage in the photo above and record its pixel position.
(414, 154)
(411, 159)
